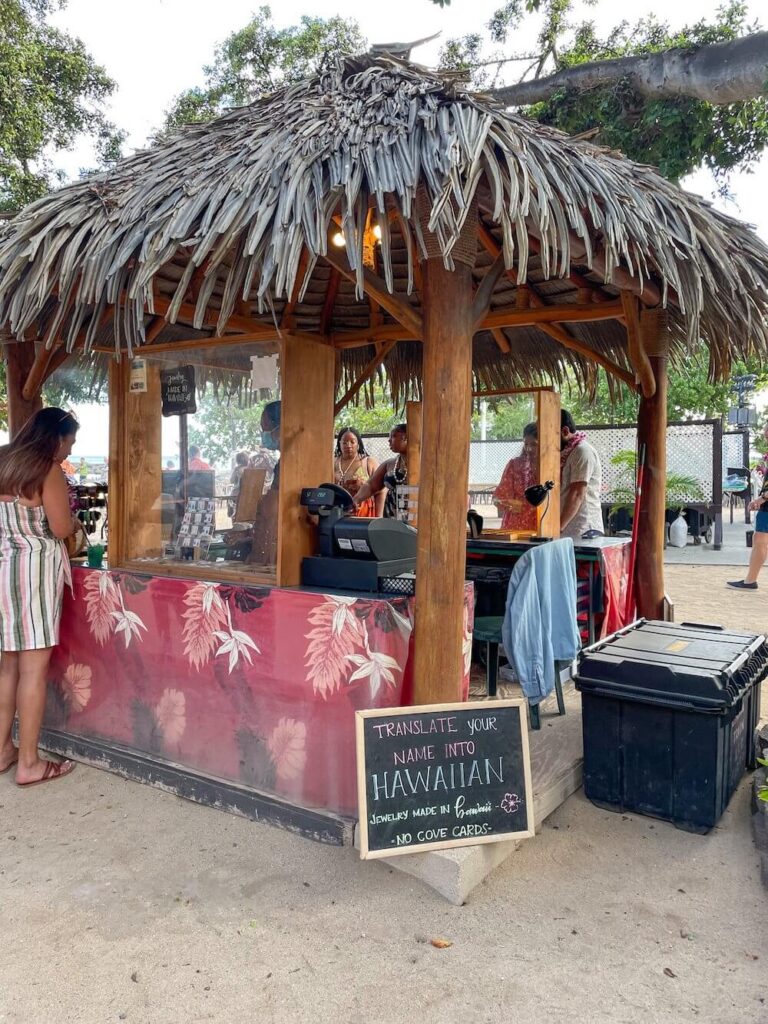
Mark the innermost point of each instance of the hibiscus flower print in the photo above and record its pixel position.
(510, 803)
(170, 714)
(76, 685)
(287, 747)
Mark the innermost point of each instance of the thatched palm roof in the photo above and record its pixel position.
(225, 227)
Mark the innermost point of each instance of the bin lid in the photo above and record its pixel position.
(680, 665)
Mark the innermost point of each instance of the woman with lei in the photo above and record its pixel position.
(519, 473)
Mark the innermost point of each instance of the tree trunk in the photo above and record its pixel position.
(19, 357)
(721, 73)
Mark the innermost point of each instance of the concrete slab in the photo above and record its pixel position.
(556, 765)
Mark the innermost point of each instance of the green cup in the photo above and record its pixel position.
(95, 556)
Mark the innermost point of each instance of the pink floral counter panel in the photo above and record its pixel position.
(253, 685)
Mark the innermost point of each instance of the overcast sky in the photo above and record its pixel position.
(154, 49)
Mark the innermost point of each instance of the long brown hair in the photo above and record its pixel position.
(27, 460)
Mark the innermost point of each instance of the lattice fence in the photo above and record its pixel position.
(690, 453)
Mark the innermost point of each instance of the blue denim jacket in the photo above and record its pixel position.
(540, 624)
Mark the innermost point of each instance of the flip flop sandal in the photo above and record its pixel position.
(52, 771)
(9, 766)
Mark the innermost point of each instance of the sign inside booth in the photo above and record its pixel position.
(443, 775)
(177, 388)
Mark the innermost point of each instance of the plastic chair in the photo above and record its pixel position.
(487, 630)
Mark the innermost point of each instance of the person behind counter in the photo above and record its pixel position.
(35, 518)
(392, 474)
(264, 547)
(518, 474)
(352, 466)
(581, 478)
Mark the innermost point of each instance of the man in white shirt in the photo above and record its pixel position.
(581, 478)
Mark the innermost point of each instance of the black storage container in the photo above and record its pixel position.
(669, 716)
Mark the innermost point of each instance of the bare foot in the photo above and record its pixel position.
(8, 757)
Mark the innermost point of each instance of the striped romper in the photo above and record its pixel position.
(33, 569)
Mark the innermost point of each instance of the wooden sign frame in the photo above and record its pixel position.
(487, 707)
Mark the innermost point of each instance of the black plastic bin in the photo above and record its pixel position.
(669, 714)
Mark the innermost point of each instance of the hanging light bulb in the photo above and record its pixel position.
(338, 240)
(377, 232)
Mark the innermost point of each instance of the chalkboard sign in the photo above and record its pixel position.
(178, 391)
(443, 775)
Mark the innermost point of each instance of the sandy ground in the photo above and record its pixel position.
(120, 902)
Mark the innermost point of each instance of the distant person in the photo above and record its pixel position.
(759, 541)
(242, 460)
(82, 470)
(581, 478)
(264, 544)
(169, 464)
(392, 474)
(352, 467)
(196, 462)
(35, 518)
(519, 473)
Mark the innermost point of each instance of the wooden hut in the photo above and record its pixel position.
(381, 215)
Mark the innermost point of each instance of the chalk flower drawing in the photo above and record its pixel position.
(102, 600)
(287, 747)
(205, 613)
(336, 630)
(510, 803)
(171, 715)
(76, 685)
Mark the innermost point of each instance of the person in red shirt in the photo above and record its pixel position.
(195, 462)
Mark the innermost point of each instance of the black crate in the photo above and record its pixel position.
(669, 713)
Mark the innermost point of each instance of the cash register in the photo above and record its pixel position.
(354, 553)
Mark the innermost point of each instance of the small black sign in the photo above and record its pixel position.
(178, 391)
(443, 775)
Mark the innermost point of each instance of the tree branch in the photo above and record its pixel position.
(720, 73)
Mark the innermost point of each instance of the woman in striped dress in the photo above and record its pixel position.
(35, 516)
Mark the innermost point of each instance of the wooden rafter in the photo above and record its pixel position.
(330, 300)
(375, 287)
(543, 314)
(558, 333)
(481, 303)
(638, 357)
(365, 374)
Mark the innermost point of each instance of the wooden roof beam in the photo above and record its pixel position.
(365, 374)
(330, 300)
(376, 288)
(638, 357)
(565, 313)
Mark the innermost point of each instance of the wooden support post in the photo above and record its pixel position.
(548, 421)
(306, 449)
(652, 432)
(135, 465)
(19, 359)
(413, 420)
(448, 327)
(142, 456)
